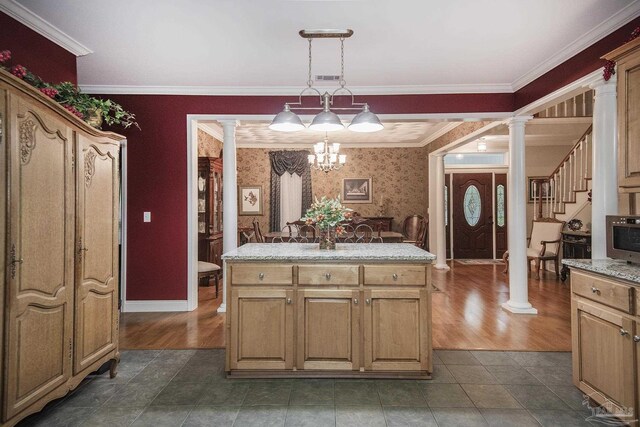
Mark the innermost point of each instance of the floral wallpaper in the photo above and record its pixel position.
(208, 146)
(399, 180)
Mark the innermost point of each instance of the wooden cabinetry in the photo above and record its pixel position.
(604, 356)
(210, 210)
(60, 263)
(351, 319)
(627, 58)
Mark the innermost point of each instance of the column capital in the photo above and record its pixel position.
(518, 120)
(229, 123)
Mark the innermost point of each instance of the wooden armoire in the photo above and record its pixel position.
(59, 212)
(210, 210)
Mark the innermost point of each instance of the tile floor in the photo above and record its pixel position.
(188, 388)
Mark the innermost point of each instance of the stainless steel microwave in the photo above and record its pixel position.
(623, 237)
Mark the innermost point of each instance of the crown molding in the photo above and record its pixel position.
(43, 27)
(622, 17)
(211, 130)
(446, 128)
(291, 90)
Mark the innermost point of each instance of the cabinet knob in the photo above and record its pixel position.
(260, 276)
(395, 276)
(367, 301)
(624, 332)
(636, 338)
(355, 301)
(595, 290)
(288, 300)
(327, 275)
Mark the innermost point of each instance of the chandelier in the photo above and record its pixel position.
(326, 120)
(327, 157)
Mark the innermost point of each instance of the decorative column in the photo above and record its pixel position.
(229, 199)
(604, 175)
(441, 235)
(517, 221)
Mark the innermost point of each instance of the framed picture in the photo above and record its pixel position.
(250, 200)
(356, 190)
(543, 187)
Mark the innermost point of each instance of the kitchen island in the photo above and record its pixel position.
(362, 310)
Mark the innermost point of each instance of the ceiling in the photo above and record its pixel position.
(256, 134)
(252, 46)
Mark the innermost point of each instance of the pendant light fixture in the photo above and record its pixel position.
(326, 120)
(327, 156)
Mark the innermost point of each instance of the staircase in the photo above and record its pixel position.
(570, 183)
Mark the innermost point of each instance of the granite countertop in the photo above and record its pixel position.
(609, 267)
(396, 252)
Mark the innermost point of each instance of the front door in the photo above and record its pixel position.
(472, 215)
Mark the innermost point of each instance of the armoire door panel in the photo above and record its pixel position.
(40, 245)
(96, 256)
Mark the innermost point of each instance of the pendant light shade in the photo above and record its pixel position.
(286, 121)
(326, 121)
(365, 121)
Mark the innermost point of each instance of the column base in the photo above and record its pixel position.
(444, 267)
(222, 308)
(519, 308)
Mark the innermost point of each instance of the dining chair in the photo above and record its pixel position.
(362, 233)
(412, 227)
(258, 234)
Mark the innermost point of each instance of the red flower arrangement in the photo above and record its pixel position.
(71, 98)
(610, 66)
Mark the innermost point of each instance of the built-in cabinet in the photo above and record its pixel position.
(328, 319)
(627, 58)
(606, 358)
(60, 239)
(210, 210)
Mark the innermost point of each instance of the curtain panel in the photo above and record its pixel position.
(291, 162)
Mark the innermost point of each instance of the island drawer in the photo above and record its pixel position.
(262, 274)
(328, 274)
(397, 274)
(599, 289)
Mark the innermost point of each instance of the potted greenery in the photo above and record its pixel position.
(93, 110)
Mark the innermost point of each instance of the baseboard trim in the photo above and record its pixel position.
(154, 306)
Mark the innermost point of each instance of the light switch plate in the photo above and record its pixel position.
(147, 217)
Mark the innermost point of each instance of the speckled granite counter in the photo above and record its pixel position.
(347, 252)
(608, 267)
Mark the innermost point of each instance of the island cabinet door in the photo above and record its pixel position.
(604, 356)
(328, 329)
(396, 330)
(261, 329)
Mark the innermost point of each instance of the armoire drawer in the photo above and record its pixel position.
(262, 274)
(329, 274)
(607, 292)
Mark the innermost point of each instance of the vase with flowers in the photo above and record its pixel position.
(328, 215)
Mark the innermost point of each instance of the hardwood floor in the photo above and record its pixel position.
(201, 328)
(466, 315)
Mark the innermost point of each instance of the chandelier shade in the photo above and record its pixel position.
(286, 121)
(327, 156)
(326, 120)
(365, 121)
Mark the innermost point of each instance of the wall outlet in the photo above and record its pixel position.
(147, 217)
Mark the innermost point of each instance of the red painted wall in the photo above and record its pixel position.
(574, 68)
(41, 56)
(157, 173)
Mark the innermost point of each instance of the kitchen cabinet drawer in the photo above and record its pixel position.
(613, 294)
(397, 274)
(262, 274)
(319, 274)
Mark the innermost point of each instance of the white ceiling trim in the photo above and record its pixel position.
(624, 16)
(342, 145)
(292, 90)
(446, 128)
(43, 27)
(211, 129)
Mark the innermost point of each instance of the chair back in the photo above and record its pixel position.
(547, 229)
(412, 227)
(256, 228)
(293, 234)
(362, 233)
(421, 240)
